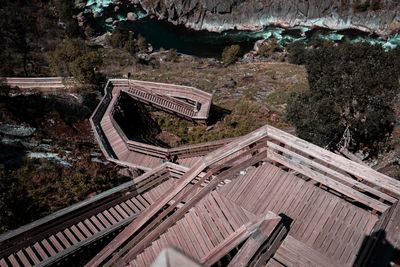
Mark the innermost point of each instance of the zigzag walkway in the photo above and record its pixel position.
(187, 102)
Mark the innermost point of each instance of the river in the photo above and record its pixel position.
(162, 34)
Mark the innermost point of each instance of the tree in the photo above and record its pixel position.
(352, 88)
(230, 54)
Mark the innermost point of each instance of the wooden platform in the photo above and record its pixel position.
(321, 220)
(202, 231)
(327, 204)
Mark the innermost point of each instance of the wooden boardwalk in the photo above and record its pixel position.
(264, 199)
(187, 102)
(59, 235)
(323, 205)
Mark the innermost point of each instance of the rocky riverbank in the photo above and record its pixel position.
(380, 17)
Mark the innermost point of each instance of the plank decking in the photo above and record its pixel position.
(321, 220)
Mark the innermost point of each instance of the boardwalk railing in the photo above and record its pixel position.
(156, 93)
(48, 83)
(56, 236)
(352, 181)
(95, 120)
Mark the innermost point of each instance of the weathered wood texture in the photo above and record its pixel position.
(206, 233)
(321, 220)
(60, 234)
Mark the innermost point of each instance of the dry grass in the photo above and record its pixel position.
(252, 94)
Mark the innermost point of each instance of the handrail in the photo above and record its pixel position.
(201, 165)
(95, 120)
(336, 161)
(59, 219)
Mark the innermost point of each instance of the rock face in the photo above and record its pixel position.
(376, 16)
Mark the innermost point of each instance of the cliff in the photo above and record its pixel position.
(375, 16)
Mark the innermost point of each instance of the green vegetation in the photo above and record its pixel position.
(74, 57)
(127, 40)
(366, 5)
(40, 187)
(352, 89)
(266, 49)
(172, 55)
(29, 30)
(230, 54)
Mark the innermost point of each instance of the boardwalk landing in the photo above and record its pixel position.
(284, 202)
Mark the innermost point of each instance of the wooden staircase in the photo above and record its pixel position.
(59, 235)
(215, 224)
(165, 103)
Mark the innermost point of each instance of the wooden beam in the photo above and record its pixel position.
(329, 182)
(255, 242)
(337, 161)
(340, 176)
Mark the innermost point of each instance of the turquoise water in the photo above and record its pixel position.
(210, 44)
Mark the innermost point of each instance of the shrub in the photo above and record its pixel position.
(74, 57)
(297, 53)
(266, 49)
(127, 40)
(351, 87)
(172, 55)
(230, 54)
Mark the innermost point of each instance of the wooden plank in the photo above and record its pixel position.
(121, 211)
(13, 261)
(213, 232)
(97, 223)
(295, 253)
(63, 240)
(56, 244)
(274, 263)
(224, 247)
(393, 227)
(337, 161)
(84, 229)
(334, 173)
(104, 220)
(189, 176)
(3, 263)
(311, 233)
(32, 255)
(306, 214)
(202, 239)
(23, 259)
(91, 227)
(188, 234)
(77, 233)
(184, 239)
(138, 204)
(132, 206)
(109, 217)
(226, 211)
(40, 251)
(48, 247)
(127, 209)
(254, 242)
(341, 188)
(217, 216)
